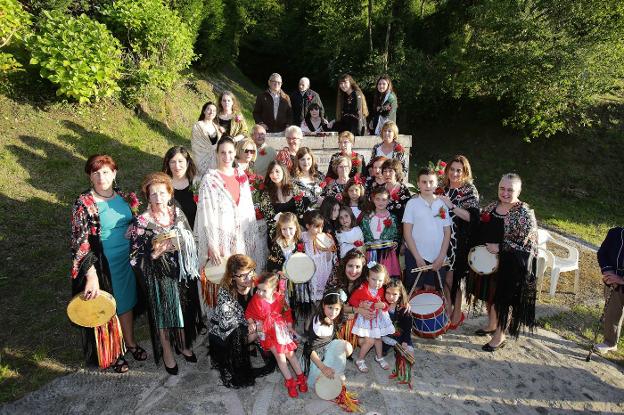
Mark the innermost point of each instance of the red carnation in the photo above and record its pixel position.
(387, 223)
(261, 186)
(300, 247)
(442, 164)
(358, 243)
(262, 152)
(355, 162)
(242, 178)
(339, 197)
(310, 98)
(443, 214)
(196, 198)
(440, 172)
(259, 214)
(395, 196)
(439, 191)
(398, 148)
(485, 217)
(298, 198)
(322, 184)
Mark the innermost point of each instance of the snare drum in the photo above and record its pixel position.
(430, 319)
(299, 268)
(482, 261)
(94, 312)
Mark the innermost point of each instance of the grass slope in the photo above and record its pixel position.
(42, 157)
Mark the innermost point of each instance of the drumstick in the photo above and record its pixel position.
(428, 267)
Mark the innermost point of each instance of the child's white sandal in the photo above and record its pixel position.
(361, 366)
(382, 362)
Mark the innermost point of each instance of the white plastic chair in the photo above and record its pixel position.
(557, 264)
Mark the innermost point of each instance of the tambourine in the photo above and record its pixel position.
(214, 273)
(482, 261)
(328, 389)
(299, 268)
(94, 312)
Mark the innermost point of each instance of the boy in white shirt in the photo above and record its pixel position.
(427, 233)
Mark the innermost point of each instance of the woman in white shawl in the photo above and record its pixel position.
(205, 136)
(226, 219)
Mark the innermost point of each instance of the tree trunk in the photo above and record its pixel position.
(370, 26)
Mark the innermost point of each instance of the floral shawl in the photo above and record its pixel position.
(520, 228)
(228, 315)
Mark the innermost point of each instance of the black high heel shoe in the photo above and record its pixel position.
(191, 359)
(171, 370)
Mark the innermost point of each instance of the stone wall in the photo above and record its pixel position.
(324, 147)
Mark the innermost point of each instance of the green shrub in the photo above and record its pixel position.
(78, 54)
(159, 44)
(14, 22)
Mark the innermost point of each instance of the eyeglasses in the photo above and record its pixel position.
(249, 274)
(250, 151)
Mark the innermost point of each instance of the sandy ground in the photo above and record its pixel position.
(541, 374)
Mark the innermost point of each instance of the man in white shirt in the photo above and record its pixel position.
(427, 233)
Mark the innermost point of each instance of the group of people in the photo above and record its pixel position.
(236, 203)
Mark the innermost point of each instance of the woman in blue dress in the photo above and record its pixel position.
(101, 261)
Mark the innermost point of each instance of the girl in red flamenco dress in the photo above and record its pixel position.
(269, 313)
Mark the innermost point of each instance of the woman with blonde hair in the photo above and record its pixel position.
(390, 146)
(246, 154)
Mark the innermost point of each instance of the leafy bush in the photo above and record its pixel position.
(78, 54)
(13, 24)
(159, 44)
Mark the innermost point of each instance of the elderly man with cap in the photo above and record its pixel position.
(302, 98)
(273, 109)
(265, 154)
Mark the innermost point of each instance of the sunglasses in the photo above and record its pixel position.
(250, 151)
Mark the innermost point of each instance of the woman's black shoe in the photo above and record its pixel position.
(488, 348)
(191, 359)
(171, 370)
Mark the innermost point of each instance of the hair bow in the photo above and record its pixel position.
(371, 264)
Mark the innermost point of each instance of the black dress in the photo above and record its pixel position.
(491, 229)
(226, 124)
(185, 199)
(350, 118)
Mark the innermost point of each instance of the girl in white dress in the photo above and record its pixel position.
(349, 235)
(321, 248)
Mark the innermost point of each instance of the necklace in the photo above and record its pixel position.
(101, 195)
(155, 216)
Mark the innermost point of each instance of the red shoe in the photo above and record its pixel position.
(459, 323)
(291, 385)
(302, 382)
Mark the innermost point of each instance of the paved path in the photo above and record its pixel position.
(542, 374)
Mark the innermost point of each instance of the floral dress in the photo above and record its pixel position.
(333, 188)
(378, 228)
(312, 190)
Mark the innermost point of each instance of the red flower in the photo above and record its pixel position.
(196, 199)
(262, 152)
(242, 178)
(309, 98)
(259, 214)
(439, 191)
(442, 213)
(357, 179)
(442, 164)
(298, 198)
(261, 186)
(398, 148)
(355, 162)
(395, 196)
(387, 223)
(440, 172)
(322, 184)
(358, 243)
(339, 197)
(300, 247)
(485, 217)
(328, 180)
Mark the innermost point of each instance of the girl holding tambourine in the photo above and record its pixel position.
(287, 241)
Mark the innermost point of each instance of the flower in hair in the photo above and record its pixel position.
(358, 243)
(357, 179)
(371, 264)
